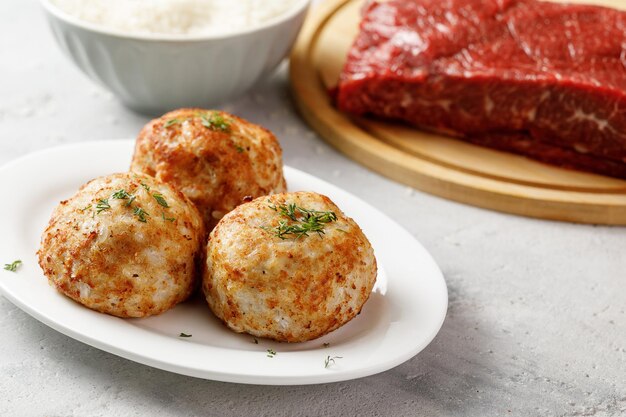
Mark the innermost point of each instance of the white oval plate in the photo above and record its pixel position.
(404, 313)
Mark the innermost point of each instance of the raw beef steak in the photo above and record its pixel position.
(541, 79)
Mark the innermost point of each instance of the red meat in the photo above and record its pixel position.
(498, 73)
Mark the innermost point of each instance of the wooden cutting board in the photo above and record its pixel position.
(436, 164)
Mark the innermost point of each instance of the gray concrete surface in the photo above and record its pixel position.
(536, 324)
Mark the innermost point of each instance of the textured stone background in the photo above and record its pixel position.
(536, 323)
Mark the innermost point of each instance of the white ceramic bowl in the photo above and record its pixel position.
(156, 73)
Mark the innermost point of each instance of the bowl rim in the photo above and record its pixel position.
(299, 7)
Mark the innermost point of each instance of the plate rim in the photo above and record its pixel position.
(237, 377)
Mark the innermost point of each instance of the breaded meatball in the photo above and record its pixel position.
(124, 244)
(290, 267)
(216, 159)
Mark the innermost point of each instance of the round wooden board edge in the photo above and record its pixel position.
(338, 130)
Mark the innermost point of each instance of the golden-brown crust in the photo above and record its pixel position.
(216, 169)
(113, 262)
(294, 289)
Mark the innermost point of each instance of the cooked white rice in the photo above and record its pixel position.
(178, 17)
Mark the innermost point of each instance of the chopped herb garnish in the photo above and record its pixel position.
(255, 341)
(330, 360)
(271, 353)
(160, 199)
(184, 335)
(146, 186)
(239, 149)
(141, 214)
(120, 195)
(306, 221)
(219, 121)
(169, 219)
(215, 122)
(103, 204)
(13, 266)
(171, 122)
(85, 208)
(288, 210)
(124, 195)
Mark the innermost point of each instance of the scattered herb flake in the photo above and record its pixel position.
(169, 219)
(160, 199)
(141, 214)
(103, 204)
(255, 341)
(146, 186)
(13, 266)
(330, 360)
(184, 335)
(326, 345)
(124, 195)
(219, 122)
(120, 195)
(215, 121)
(271, 353)
(171, 122)
(239, 149)
(85, 208)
